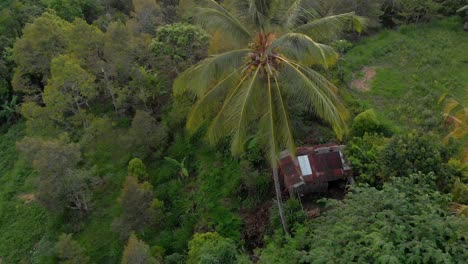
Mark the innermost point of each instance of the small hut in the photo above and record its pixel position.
(313, 168)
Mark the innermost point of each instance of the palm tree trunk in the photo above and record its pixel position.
(279, 200)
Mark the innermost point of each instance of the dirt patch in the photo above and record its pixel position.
(336, 190)
(255, 222)
(27, 198)
(363, 83)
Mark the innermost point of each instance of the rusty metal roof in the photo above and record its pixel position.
(313, 165)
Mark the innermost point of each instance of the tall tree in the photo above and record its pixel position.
(268, 49)
(137, 252)
(69, 251)
(139, 209)
(42, 40)
(60, 184)
(69, 90)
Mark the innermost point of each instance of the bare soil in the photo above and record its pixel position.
(363, 83)
(27, 198)
(255, 222)
(336, 190)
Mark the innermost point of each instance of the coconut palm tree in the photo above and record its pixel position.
(267, 50)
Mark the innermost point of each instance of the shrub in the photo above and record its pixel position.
(414, 153)
(139, 209)
(137, 252)
(61, 184)
(175, 258)
(405, 222)
(137, 168)
(368, 121)
(69, 251)
(255, 182)
(414, 11)
(364, 154)
(211, 248)
(460, 192)
(180, 45)
(147, 135)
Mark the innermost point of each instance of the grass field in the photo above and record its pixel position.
(414, 66)
(22, 223)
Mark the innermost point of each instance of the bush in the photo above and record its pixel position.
(180, 45)
(414, 153)
(137, 168)
(137, 252)
(69, 251)
(256, 183)
(147, 135)
(211, 248)
(139, 209)
(414, 11)
(460, 192)
(405, 222)
(368, 121)
(364, 154)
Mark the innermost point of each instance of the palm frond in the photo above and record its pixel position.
(329, 27)
(241, 111)
(207, 104)
(201, 77)
(215, 18)
(273, 141)
(293, 14)
(465, 8)
(450, 105)
(283, 125)
(458, 209)
(301, 48)
(308, 87)
(219, 126)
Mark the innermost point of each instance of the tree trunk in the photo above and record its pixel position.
(279, 200)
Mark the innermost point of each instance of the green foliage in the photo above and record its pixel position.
(412, 153)
(22, 221)
(61, 185)
(146, 15)
(146, 135)
(294, 212)
(33, 52)
(460, 192)
(368, 122)
(341, 45)
(69, 9)
(256, 182)
(365, 156)
(108, 89)
(409, 82)
(137, 168)
(139, 209)
(180, 45)
(406, 221)
(68, 251)
(370, 9)
(137, 252)
(9, 109)
(400, 11)
(183, 172)
(211, 248)
(69, 91)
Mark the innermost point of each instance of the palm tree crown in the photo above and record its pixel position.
(266, 50)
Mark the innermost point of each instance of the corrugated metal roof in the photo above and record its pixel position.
(315, 166)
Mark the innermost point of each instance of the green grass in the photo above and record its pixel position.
(21, 225)
(415, 65)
